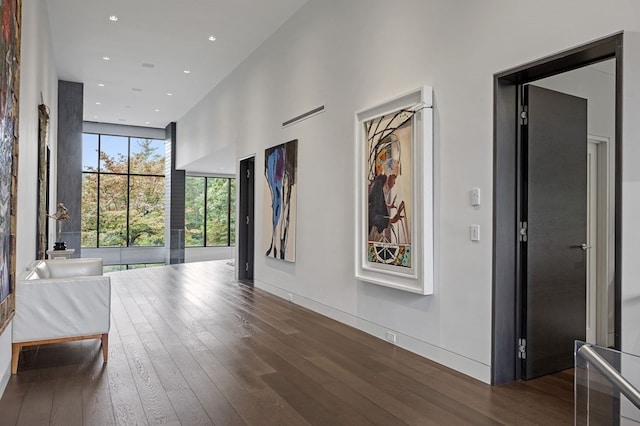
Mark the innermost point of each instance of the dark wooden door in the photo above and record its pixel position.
(246, 219)
(555, 209)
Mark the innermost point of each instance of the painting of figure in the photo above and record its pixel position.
(389, 189)
(280, 168)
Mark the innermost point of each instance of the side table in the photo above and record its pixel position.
(60, 254)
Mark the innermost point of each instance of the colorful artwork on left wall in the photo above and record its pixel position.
(280, 168)
(10, 14)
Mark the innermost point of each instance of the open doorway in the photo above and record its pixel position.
(596, 84)
(246, 244)
(512, 319)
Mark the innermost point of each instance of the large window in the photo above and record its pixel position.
(122, 191)
(209, 211)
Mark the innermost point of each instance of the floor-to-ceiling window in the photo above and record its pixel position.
(123, 195)
(209, 211)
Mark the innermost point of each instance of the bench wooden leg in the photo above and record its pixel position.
(105, 347)
(17, 347)
(15, 356)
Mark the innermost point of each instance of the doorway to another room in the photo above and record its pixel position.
(246, 244)
(556, 209)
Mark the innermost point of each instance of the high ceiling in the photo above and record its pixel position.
(150, 45)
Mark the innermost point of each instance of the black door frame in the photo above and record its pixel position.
(246, 218)
(506, 306)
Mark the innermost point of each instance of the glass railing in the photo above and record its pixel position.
(115, 252)
(118, 257)
(605, 386)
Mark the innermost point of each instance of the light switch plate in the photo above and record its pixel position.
(474, 231)
(475, 196)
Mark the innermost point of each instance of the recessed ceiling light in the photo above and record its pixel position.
(212, 38)
(113, 18)
(106, 58)
(147, 122)
(95, 116)
(156, 110)
(147, 65)
(169, 94)
(187, 71)
(97, 103)
(101, 84)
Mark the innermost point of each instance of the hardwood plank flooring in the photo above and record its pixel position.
(191, 346)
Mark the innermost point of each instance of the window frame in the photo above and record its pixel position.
(99, 173)
(230, 217)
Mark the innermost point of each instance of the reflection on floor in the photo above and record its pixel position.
(189, 345)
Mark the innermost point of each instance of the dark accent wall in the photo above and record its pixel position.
(174, 196)
(69, 159)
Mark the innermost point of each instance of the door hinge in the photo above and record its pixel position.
(248, 173)
(247, 220)
(522, 348)
(246, 266)
(522, 233)
(524, 116)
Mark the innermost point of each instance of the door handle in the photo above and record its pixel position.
(582, 246)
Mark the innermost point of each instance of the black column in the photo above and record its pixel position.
(69, 159)
(174, 196)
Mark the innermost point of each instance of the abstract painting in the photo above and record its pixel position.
(280, 168)
(394, 193)
(10, 13)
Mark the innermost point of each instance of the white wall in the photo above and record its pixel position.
(631, 197)
(630, 213)
(37, 75)
(349, 55)
(38, 82)
(120, 130)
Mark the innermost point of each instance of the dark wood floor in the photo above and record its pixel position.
(190, 346)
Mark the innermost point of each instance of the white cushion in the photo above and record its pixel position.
(61, 268)
(42, 270)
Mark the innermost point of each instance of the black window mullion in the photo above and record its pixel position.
(206, 211)
(128, 188)
(145, 175)
(98, 193)
(228, 212)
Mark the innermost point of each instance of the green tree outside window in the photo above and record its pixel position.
(122, 191)
(209, 211)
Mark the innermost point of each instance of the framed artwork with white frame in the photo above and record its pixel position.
(394, 192)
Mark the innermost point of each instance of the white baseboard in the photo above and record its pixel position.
(470, 367)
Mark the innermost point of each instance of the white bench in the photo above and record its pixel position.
(61, 301)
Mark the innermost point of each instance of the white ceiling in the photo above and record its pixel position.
(171, 35)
